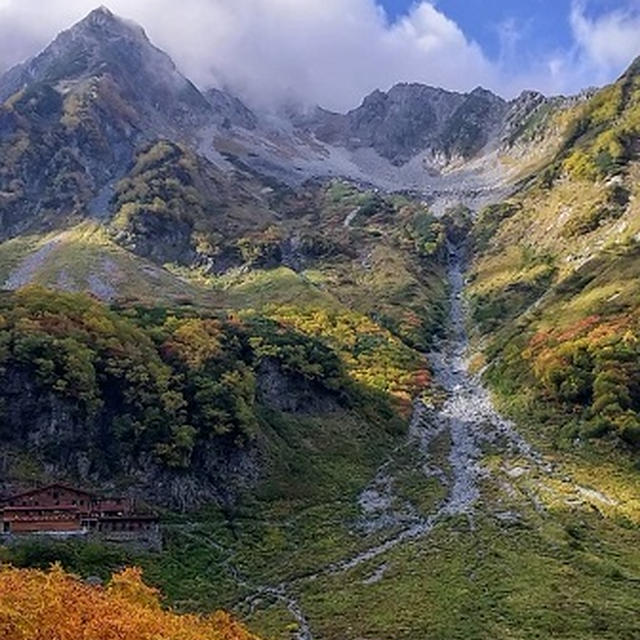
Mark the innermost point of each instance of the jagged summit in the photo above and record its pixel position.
(103, 23)
(98, 40)
(101, 14)
(633, 69)
(105, 49)
(482, 91)
(413, 118)
(86, 104)
(102, 10)
(412, 135)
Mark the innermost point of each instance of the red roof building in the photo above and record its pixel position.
(59, 508)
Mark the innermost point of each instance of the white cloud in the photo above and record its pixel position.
(603, 47)
(610, 41)
(330, 52)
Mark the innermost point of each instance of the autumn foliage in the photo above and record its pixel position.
(593, 364)
(53, 605)
(373, 356)
(163, 381)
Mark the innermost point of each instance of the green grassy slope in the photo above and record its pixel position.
(343, 287)
(346, 288)
(554, 289)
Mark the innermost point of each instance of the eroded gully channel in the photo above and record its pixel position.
(469, 420)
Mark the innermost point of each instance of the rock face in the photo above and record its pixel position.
(68, 442)
(159, 238)
(413, 118)
(72, 118)
(103, 45)
(291, 394)
(229, 111)
(102, 125)
(71, 443)
(451, 147)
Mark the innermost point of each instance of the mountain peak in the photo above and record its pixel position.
(481, 92)
(103, 22)
(101, 11)
(633, 69)
(100, 43)
(375, 97)
(105, 46)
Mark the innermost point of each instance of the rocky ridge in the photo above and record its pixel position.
(78, 112)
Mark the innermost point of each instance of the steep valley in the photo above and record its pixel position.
(377, 372)
(466, 529)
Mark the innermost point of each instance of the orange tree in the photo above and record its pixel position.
(53, 605)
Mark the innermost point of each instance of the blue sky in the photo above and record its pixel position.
(542, 26)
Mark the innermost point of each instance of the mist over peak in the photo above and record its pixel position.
(333, 52)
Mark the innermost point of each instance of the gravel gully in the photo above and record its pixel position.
(469, 418)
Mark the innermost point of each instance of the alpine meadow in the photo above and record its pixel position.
(278, 372)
